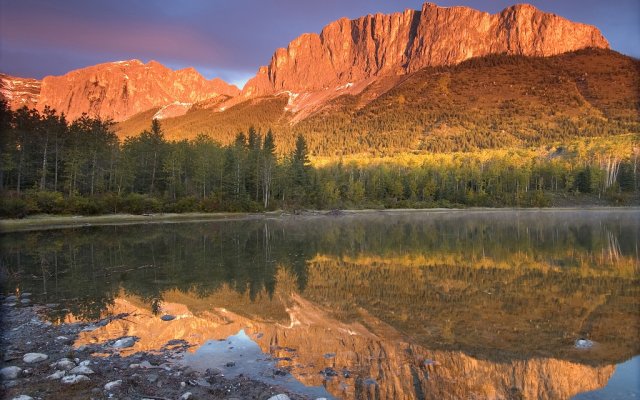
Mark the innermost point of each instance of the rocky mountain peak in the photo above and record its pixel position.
(121, 89)
(399, 43)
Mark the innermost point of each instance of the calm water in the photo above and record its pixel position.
(383, 305)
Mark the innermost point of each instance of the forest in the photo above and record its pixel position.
(54, 166)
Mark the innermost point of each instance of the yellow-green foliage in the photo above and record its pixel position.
(491, 102)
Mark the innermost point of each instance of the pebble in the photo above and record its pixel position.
(280, 396)
(186, 396)
(113, 385)
(8, 373)
(73, 379)
(9, 299)
(34, 357)
(583, 344)
(62, 338)
(85, 363)
(25, 294)
(124, 342)
(168, 317)
(23, 397)
(57, 375)
(64, 364)
(152, 378)
(25, 301)
(82, 370)
(145, 364)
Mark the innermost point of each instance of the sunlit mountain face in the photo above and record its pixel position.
(407, 305)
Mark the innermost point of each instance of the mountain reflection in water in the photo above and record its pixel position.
(417, 305)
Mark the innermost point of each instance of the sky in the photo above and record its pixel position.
(228, 39)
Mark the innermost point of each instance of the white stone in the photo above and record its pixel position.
(85, 363)
(8, 373)
(280, 396)
(186, 396)
(112, 385)
(82, 370)
(57, 375)
(30, 358)
(64, 364)
(124, 342)
(584, 344)
(23, 397)
(73, 379)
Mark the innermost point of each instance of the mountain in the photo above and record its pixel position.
(118, 90)
(435, 79)
(19, 92)
(121, 89)
(488, 102)
(378, 45)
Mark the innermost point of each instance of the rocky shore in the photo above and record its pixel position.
(39, 361)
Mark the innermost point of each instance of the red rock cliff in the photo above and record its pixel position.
(19, 92)
(376, 45)
(121, 89)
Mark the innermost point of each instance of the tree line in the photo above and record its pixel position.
(50, 165)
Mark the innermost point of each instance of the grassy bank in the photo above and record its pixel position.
(45, 221)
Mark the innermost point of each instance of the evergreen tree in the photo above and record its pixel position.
(583, 181)
(268, 166)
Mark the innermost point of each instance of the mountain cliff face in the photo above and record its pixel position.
(377, 45)
(121, 89)
(19, 92)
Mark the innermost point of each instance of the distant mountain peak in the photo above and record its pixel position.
(116, 90)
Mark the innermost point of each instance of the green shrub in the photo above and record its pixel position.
(185, 204)
(13, 207)
(135, 203)
(47, 202)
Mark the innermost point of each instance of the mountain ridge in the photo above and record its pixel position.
(119, 89)
(399, 43)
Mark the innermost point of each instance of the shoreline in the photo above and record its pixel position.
(49, 222)
(40, 360)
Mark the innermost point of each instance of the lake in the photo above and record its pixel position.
(389, 305)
